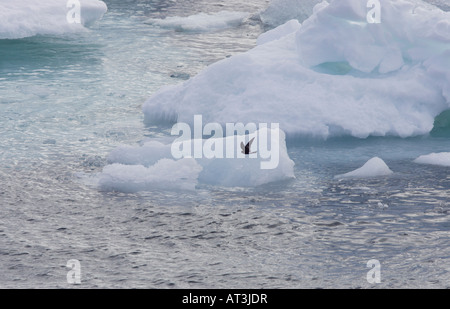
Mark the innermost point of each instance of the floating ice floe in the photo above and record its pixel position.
(375, 167)
(155, 165)
(26, 18)
(441, 158)
(201, 22)
(335, 74)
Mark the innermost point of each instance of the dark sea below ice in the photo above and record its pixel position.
(66, 102)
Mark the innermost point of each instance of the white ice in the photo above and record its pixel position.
(152, 165)
(164, 174)
(441, 158)
(280, 11)
(201, 22)
(375, 167)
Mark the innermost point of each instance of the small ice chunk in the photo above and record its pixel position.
(375, 167)
(201, 22)
(441, 158)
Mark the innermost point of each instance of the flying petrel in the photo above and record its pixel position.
(246, 148)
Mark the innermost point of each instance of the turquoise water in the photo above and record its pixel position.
(66, 102)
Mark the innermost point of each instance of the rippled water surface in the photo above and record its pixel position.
(65, 103)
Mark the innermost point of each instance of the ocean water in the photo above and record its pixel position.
(67, 101)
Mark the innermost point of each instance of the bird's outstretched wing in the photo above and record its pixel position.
(246, 148)
(249, 145)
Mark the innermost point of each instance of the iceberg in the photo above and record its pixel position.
(26, 18)
(441, 159)
(153, 165)
(280, 11)
(201, 22)
(375, 167)
(334, 74)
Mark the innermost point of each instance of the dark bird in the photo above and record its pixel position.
(246, 148)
